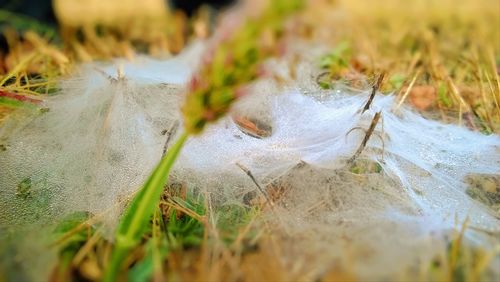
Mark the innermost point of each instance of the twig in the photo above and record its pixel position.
(106, 75)
(249, 173)
(180, 207)
(319, 204)
(86, 248)
(373, 133)
(120, 74)
(320, 76)
(375, 88)
(408, 90)
(368, 134)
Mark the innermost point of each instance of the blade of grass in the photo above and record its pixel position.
(137, 214)
(14, 104)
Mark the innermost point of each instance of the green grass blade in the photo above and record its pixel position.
(136, 216)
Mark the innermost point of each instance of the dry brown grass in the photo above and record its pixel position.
(451, 50)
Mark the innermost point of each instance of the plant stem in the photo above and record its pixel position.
(136, 216)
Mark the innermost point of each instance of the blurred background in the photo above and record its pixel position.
(64, 31)
(448, 48)
(42, 9)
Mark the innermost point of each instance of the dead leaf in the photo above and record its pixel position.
(252, 127)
